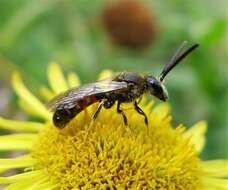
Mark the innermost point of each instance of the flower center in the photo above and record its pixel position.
(106, 154)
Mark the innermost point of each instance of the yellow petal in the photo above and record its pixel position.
(22, 177)
(29, 98)
(47, 186)
(27, 108)
(43, 184)
(160, 112)
(17, 186)
(20, 125)
(16, 145)
(19, 162)
(148, 106)
(73, 80)
(216, 184)
(35, 180)
(12, 137)
(32, 184)
(56, 78)
(46, 93)
(215, 168)
(197, 135)
(163, 109)
(17, 142)
(105, 74)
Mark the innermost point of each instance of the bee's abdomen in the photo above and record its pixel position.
(65, 114)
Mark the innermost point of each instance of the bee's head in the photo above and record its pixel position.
(156, 88)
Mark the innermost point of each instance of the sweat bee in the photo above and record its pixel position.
(124, 87)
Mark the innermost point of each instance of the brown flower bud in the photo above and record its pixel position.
(129, 23)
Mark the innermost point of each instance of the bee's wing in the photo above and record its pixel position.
(71, 96)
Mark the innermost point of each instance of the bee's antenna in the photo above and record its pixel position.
(177, 58)
(178, 52)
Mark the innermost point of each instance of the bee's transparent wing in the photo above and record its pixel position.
(71, 96)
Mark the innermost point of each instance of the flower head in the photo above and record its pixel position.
(105, 154)
(129, 23)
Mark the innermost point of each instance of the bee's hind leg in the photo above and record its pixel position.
(106, 104)
(95, 115)
(120, 111)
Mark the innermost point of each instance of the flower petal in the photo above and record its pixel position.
(27, 108)
(47, 186)
(16, 145)
(17, 142)
(29, 98)
(20, 125)
(19, 162)
(46, 93)
(158, 115)
(148, 106)
(34, 180)
(105, 74)
(215, 168)
(162, 110)
(43, 184)
(38, 184)
(12, 137)
(197, 135)
(215, 184)
(21, 177)
(56, 78)
(73, 80)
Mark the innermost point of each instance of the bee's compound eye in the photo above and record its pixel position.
(153, 83)
(157, 89)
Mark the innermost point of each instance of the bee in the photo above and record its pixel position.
(124, 87)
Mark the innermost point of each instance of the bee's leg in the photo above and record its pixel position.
(122, 113)
(106, 104)
(98, 110)
(141, 112)
(140, 99)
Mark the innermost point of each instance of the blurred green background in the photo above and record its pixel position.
(75, 33)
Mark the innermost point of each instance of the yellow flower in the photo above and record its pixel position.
(104, 154)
